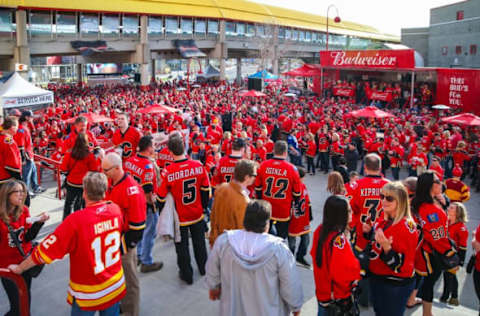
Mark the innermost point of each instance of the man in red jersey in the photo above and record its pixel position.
(226, 166)
(97, 282)
(125, 138)
(278, 182)
(10, 160)
(80, 126)
(187, 181)
(365, 201)
(126, 192)
(366, 206)
(141, 167)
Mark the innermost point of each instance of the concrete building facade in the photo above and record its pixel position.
(453, 37)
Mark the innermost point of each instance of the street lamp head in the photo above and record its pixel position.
(337, 19)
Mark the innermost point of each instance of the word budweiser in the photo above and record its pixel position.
(341, 59)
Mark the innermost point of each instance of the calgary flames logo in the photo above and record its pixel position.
(339, 242)
(411, 226)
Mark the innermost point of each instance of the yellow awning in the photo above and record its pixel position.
(239, 10)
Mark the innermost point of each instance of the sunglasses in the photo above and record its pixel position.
(389, 198)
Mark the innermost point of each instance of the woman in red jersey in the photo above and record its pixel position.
(433, 222)
(458, 233)
(335, 268)
(76, 164)
(392, 258)
(14, 214)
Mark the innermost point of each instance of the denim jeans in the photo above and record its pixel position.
(145, 246)
(389, 299)
(29, 175)
(113, 310)
(396, 173)
(322, 311)
(302, 248)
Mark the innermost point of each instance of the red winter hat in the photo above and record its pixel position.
(457, 171)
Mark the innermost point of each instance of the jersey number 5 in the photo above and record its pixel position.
(111, 249)
(189, 191)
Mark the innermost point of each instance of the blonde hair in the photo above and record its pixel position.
(461, 211)
(335, 184)
(399, 192)
(6, 209)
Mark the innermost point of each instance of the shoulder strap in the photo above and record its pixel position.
(15, 239)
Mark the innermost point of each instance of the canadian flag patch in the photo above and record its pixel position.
(132, 190)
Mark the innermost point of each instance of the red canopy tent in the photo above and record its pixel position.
(305, 70)
(371, 112)
(467, 119)
(156, 109)
(251, 93)
(92, 118)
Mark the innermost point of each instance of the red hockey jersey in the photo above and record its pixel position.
(9, 158)
(92, 238)
(278, 182)
(10, 253)
(127, 142)
(224, 171)
(404, 244)
(142, 170)
(300, 221)
(339, 268)
(366, 205)
(184, 179)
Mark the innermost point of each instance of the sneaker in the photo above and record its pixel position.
(453, 301)
(303, 262)
(443, 299)
(188, 280)
(39, 189)
(145, 268)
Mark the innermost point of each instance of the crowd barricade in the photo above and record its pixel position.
(44, 162)
(22, 290)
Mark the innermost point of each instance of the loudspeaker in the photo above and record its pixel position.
(255, 84)
(227, 122)
(137, 77)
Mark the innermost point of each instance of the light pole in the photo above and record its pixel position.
(336, 19)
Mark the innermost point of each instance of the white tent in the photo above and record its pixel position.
(17, 92)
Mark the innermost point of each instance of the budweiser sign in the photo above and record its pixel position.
(368, 59)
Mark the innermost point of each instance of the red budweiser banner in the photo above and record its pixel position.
(343, 92)
(389, 59)
(459, 88)
(379, 95)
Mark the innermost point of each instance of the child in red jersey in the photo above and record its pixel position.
(300, 223)
(456, 189)
(458, 233)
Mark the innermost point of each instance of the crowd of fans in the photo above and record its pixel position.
(380, 242)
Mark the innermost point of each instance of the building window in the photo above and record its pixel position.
(171, 25)
(473, 49)
(155, 25)
(200, 26)
(212, 27)
(458, 50)
(445, 50)
(459, 15)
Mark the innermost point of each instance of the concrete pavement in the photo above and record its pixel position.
(162, 293)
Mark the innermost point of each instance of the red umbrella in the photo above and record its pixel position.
(251, 93)
(371, 112)
(156, 109)
(92, 118)
(304, 71)
(468, 119)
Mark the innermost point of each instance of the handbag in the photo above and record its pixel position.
(471, 264)
(33, 271)
(447, 262)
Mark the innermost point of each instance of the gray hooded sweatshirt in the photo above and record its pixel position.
(257, 275)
